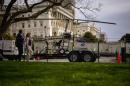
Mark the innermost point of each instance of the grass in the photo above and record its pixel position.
(128, 60)
(63, 74)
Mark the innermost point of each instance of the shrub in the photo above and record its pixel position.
(7, 36)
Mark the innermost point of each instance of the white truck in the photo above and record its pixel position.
(8, 50)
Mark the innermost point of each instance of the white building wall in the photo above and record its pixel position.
(37, 27)
(82, 28)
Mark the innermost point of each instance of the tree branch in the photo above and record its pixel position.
(26, 3)
(35, 15)
(6, 15)
(26, 10)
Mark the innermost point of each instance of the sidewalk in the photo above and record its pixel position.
(106, 60)
(51, 60)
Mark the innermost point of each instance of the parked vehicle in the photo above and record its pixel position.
(8, 49)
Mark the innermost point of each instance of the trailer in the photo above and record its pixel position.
(64, 47)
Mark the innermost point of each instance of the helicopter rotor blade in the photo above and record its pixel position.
(97, 22)
(83, 21)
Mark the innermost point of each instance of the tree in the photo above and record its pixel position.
(1, 3)
(0, 20)
(13, 17)
(90, 37)
(125, 38)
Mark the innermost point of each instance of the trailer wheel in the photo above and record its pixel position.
(1, 57)
(73, 57)
(94, 56)
(87, 57)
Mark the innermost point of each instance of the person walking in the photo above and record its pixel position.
(28, 46)
(19, 44)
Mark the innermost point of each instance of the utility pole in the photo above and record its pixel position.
(99, 44)
(125, 59)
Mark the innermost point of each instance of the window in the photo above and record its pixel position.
(35, 24)
(22, 15)
(28, 22)
(23, 25)
(28, 15)
(28, 25)
(41, 23)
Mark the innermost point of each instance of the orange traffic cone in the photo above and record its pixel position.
(118, 58)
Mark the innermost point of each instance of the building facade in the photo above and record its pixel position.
(103, 36)
(43, 25)
(82, 28)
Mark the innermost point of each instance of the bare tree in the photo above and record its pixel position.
(88, 8)
(1, 3)
(13, 17)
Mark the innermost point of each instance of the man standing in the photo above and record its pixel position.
(19, 44)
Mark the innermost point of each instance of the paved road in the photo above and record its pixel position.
(106, 60)
(101, 60)
(51, 60)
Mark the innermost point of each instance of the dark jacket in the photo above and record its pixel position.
(19, 40)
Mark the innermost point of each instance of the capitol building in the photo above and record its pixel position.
(52, 23)
(45, 24)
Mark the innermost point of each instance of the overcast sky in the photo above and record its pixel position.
(117, 11)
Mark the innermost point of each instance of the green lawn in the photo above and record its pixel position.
(63, 74)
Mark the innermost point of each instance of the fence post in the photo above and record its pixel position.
(98, 52)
